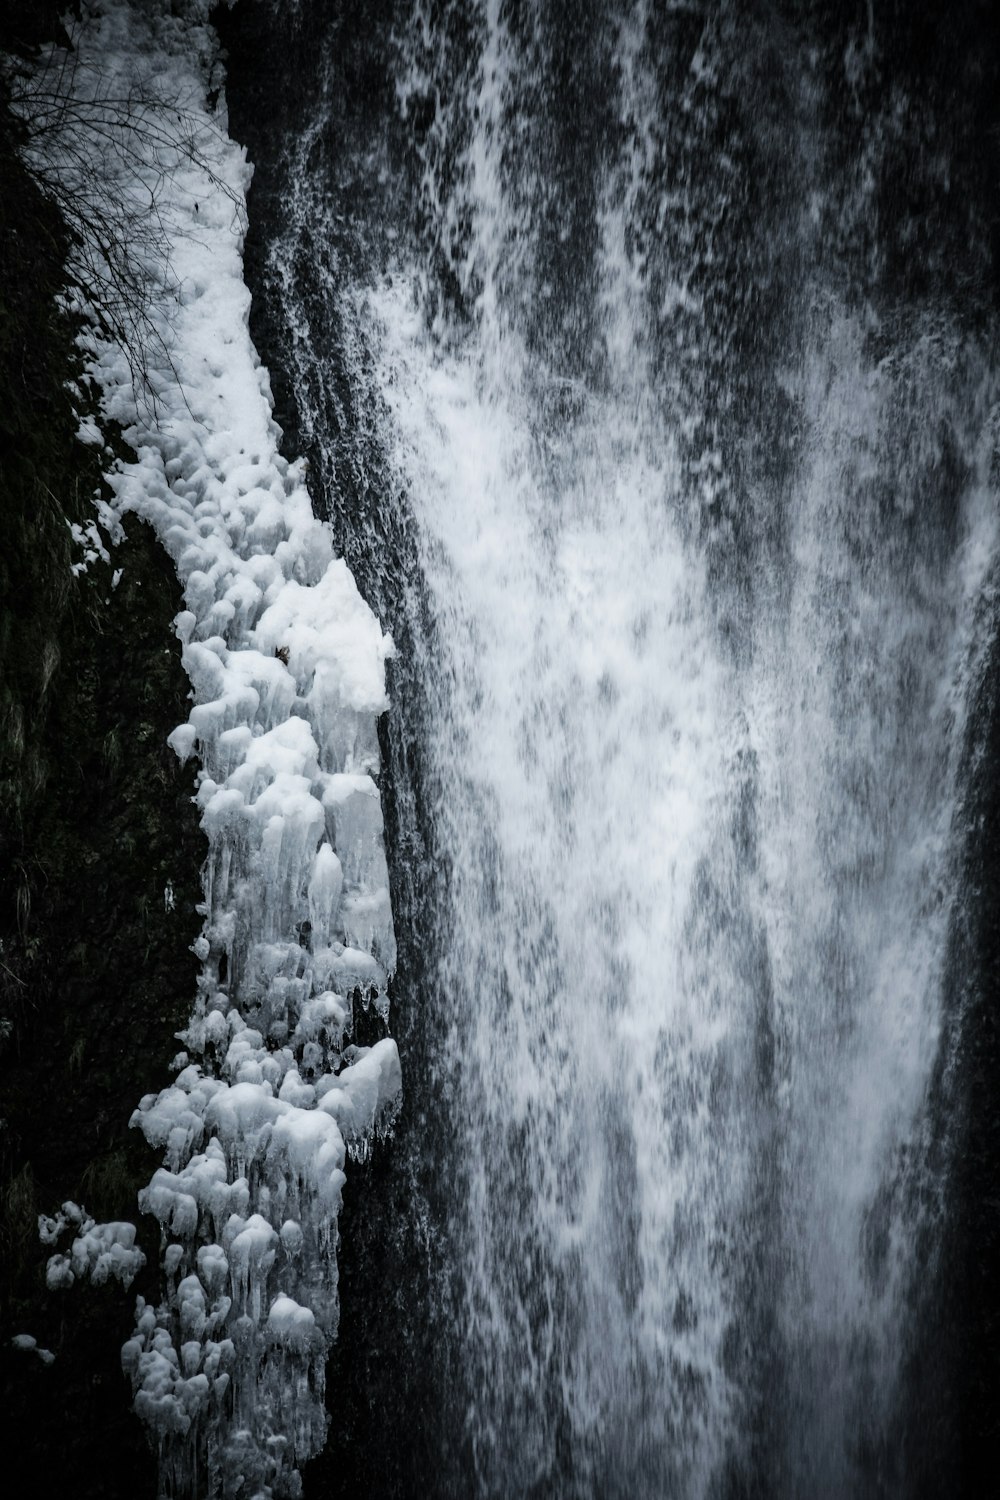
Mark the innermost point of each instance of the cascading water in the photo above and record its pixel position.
(664, 442)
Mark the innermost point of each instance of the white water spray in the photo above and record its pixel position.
(698, 895)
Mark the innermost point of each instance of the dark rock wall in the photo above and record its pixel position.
(396, 1406)
(96, 819)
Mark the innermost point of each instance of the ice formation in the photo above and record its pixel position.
(26, 1343)
(97, 1253)
(286, 664)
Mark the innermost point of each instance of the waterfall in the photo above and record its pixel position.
(680, 439)
(641, 359)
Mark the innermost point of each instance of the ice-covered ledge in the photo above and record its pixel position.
(286, 664)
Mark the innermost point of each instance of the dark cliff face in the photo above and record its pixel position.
(395, 1405)
(99, 857)
(947, 1431)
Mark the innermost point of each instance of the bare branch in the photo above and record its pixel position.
(106, 151)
